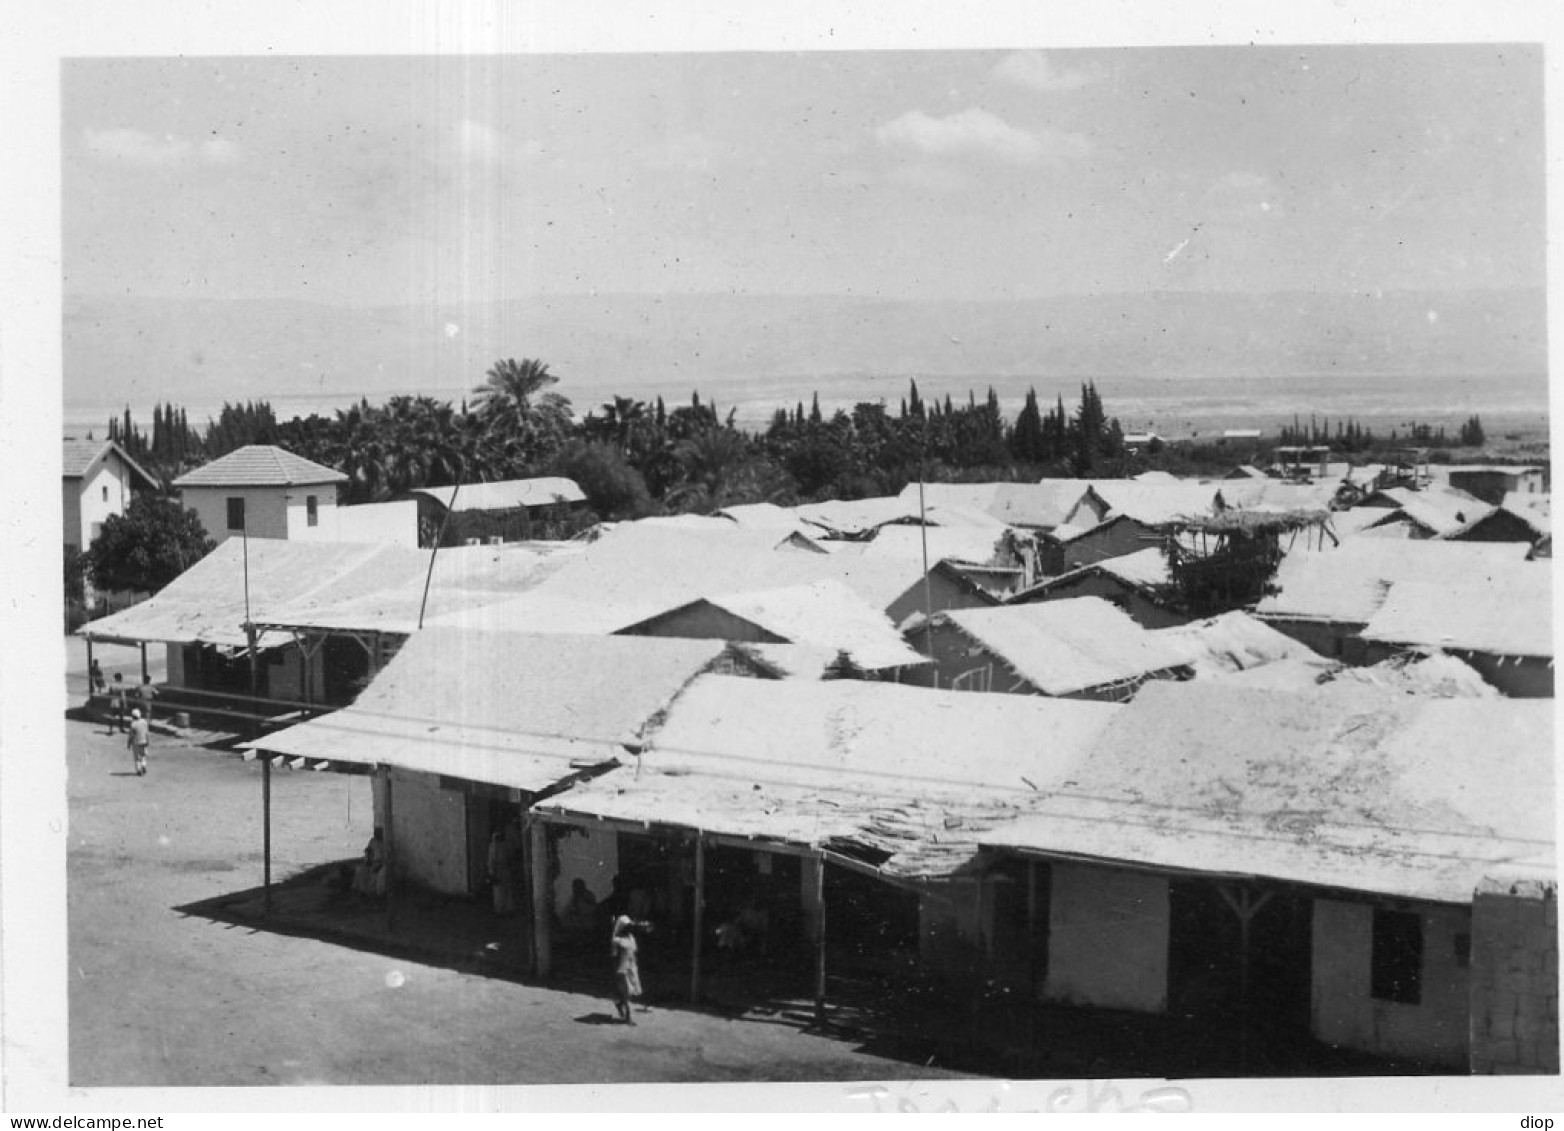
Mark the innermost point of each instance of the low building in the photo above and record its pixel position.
(263, 491)
(327, 615)
(98, 481)
(1501, 625)
(836, 814)
(465, 730)
(1519, 518)
(1324, 597)
(1069, 548)
(512, 510)
(826, 615)
(1492, 483)
(1082, 648)
(1433, 511)
(635, 571)
(1233, 642)
(1305, 873)
(1137, 583)
(1030, 506)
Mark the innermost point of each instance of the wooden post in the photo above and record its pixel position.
(266, 770)
(542, 955)
(388, 843)
(1031, 956)
(1246, 905)
(145, 671)
(699, 917)
(820, 940)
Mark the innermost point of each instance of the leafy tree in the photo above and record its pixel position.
(613, 488)
(1026, 440)
(152, 543)
(710, 458)
(239, 425)
(75, 575)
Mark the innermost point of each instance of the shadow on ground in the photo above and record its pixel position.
(872, 1014)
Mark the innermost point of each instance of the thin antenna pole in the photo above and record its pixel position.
(923, 536)
(435, 549)
(250, 639)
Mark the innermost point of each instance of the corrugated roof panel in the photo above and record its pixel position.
(1346, 787)
(916, 773)
(1068, 645)
(506, 709)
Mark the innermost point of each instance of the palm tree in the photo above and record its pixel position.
(513, 402)
(709, 459)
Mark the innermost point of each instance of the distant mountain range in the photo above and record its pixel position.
(122, 350)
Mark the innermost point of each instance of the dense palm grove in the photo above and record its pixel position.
(634, 458)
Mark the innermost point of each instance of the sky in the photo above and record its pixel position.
(959, 175)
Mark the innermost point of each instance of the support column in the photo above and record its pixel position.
(145, 671)
(266, 775)
(388, 837)
(700, 916)
(1031, 955)
(818, 878)
(1246, 905)
(542, 955)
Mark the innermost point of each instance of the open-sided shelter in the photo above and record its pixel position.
(325, 615)
(842, 813)
(465, 729)
(1315, 859)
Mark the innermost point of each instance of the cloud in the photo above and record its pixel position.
(144, 150)
(977, 131)
(1035, 71)
(477, 142)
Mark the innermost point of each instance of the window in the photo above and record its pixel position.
(312, 509)
(974, 679)
(105, 490)
(1396, 966)
(235, 514)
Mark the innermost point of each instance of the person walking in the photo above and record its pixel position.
(627, 968)
(146, 693)
(137, 740)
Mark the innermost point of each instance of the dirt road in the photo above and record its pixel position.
(158, 997)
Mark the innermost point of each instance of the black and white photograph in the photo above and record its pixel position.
(876, 565)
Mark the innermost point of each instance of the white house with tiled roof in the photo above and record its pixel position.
(265, 491)
(98, 480)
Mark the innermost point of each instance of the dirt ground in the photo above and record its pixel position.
(158, 996)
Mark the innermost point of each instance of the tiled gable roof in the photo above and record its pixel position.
(79, 456)
(259, 465)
